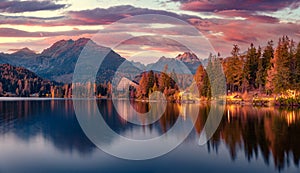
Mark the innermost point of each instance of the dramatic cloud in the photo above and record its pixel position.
(155, 42)
(28, 6)
(238, 24)
(97, 16)
(31, 21)
(251, 5)
(9, 32)
(244, 32)
(248, 16)
(106, 16)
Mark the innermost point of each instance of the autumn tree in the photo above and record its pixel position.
(233, 70)
(297, 67)
(292, 61)
(150, 82)
(164, 79)
(202, 82)
(143, 86)
(281, 75)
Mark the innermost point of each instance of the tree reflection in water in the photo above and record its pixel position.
(274, 132)
(267, 132)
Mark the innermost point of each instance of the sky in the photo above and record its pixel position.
(37, 24)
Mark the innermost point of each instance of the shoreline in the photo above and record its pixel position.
(261, 102)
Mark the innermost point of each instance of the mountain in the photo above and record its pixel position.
(58, 61)
(138, 65)
(187, 57)
(24, 53)
(22, 57)
(182, 64)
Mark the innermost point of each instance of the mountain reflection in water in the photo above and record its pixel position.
(266, 133)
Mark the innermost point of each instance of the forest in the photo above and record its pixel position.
(261, 72)
(271, 72)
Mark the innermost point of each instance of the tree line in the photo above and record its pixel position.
(269, 70)
(266, 70)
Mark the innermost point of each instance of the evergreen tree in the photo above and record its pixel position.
(292, 67)
(202, 82)
(151, 81)
(233, 70)
(216, 77)
(264, 64)
(279, 75)
(251, 68)
(297, 67)
(282, 67)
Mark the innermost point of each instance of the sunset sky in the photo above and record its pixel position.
(38, 24)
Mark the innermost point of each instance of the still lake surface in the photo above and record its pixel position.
(45, 136)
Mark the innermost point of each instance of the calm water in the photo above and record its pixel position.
(44, 136)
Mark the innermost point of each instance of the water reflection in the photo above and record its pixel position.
(53, 120)
(271, 134)
(275, 133)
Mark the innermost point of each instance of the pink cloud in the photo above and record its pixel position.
(28, 6)
(222, 33)
(249, 5)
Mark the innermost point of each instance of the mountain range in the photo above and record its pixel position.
(57, 62)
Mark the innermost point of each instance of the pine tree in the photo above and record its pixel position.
(202, 82)
(282, 78)
(206, 86)
(260, 81)
(199, 78)
(233, 70)
(279, 75)
(151, 81)
(217, 80)
(264, 64)
(250, 67)
(255, 68)
(297, 67)
(292, 67)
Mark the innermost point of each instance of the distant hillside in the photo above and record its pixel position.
(18, 81)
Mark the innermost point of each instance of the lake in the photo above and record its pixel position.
(45, 136)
